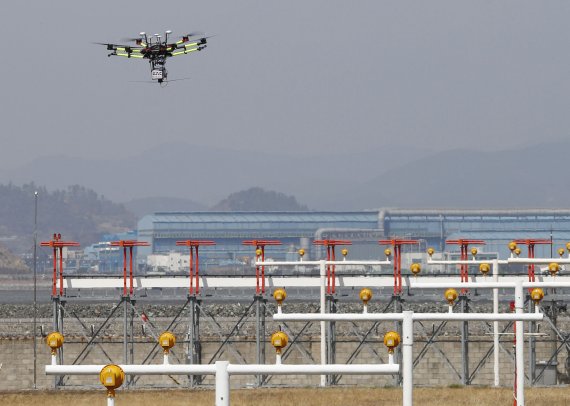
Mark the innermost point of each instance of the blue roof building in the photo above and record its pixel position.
(298, 229)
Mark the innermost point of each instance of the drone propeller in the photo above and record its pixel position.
(130, 39)
(192, 34)
(186, 37)
(163, 84)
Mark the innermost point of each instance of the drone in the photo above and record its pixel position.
(158, 51)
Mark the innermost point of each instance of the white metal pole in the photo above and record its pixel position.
(322, 269)
(165, 359)
(313, 369)
(519, 303)
(407, 358)
(496, 324)
(398, 316)
(110, 401)
(390, 358)
(222, 384)
(278, 358)
(54, 359)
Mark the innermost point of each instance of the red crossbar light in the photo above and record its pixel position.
(327, 243)
(464, 241)
(194, 243)
(260, 271)
(258, 243)
(129, 243)
(194, 261)
(58, 245)
(533, 241)
(397, 241)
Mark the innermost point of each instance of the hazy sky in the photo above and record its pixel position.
(287, 76)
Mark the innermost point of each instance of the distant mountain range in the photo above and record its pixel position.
(194, 178)
(206, 175)
(258, 199)
(78, 213)
(147, 205)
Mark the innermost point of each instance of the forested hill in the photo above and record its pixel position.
(258, 199)
(77, 213)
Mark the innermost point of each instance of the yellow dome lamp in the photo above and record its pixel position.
(561, 252)
(112, 377)
(474, 252)
(279, 295)
(365, 296)
(391, 340)
(388, 253)
(537, 295)
(430, 251)
(484, 268)
(517, 252)
(512, 247)
(451, 296)
(55, 342)
(568, 246)
(344, 253)
(258, 253)
(553, 268)
(166, 340)
(415, 269)
(301, 254)
(279, 340)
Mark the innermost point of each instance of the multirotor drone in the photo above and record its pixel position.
(157, 51)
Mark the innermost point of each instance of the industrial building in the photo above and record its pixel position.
(298, 230)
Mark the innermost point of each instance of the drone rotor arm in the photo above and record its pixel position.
(187, 51)
(128, 55)
(187, 45)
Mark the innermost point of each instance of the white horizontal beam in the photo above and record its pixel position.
(548, 282)
(291, 281)
(465, 262)
(316, 263)
(176, 369)
(542, 261)
(399, 316)
(233, 369)
(310, 369)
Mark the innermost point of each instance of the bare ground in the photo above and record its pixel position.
(559, 396)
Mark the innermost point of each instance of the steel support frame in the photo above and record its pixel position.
(194, 342)
(331, 304)
(193, 345)
(260, 333)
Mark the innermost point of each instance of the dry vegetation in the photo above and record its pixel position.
(305, 397)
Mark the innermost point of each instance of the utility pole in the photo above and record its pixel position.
(35, 329)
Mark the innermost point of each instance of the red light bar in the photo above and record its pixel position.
(465, 241)
(129, 243)
(533, 241)
(327, 243)
(397, 241)
(262, 242)
(194, 243)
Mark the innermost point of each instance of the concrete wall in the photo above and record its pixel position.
(16, 356)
